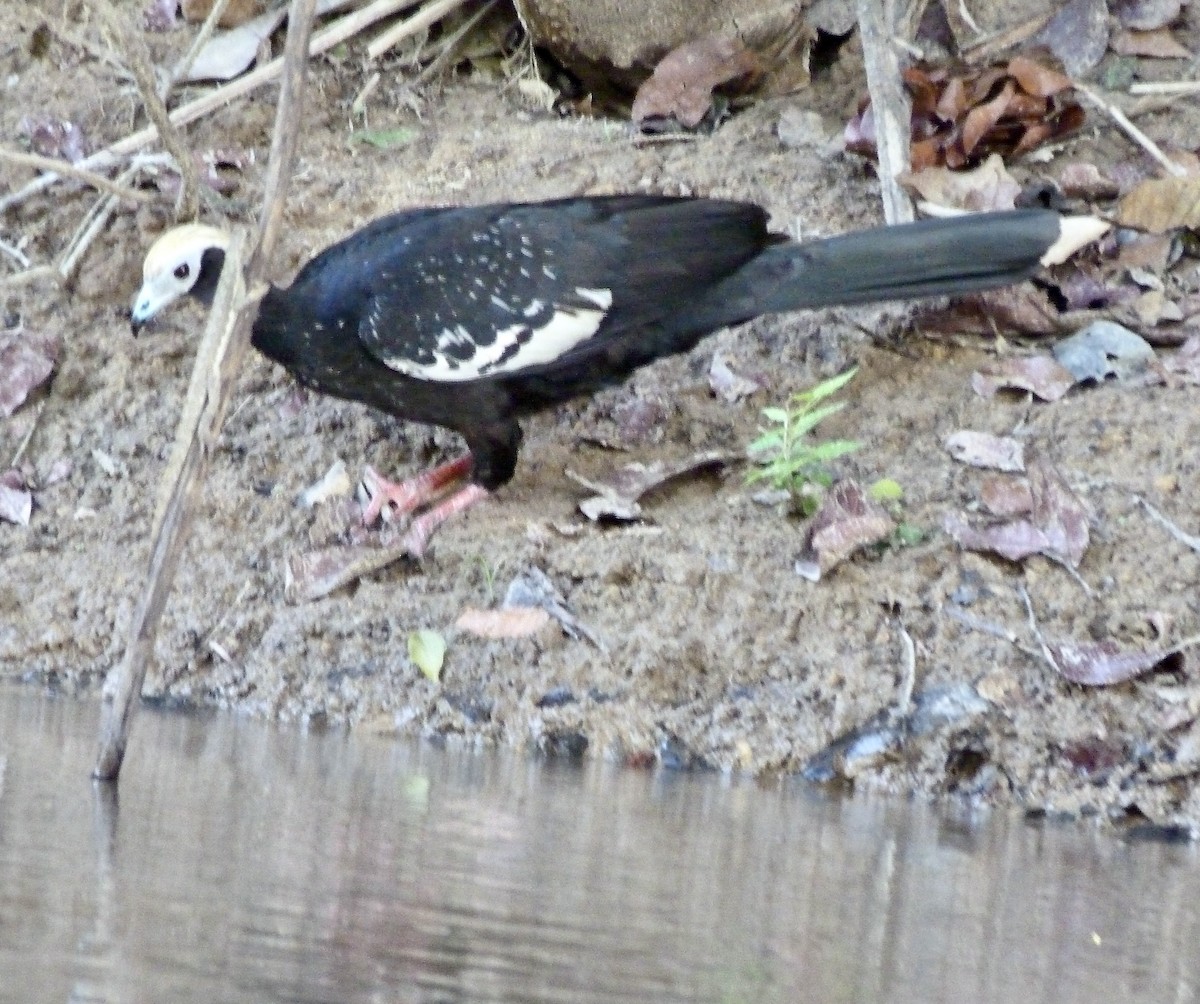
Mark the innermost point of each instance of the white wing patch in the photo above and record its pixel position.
(514, 348)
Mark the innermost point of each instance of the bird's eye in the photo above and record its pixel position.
(182, 271)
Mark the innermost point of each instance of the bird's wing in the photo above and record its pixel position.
(494, 291)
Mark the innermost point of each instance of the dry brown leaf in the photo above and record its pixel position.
(982, 449)
(1157, 43)
(1057, 525)
(1003, 496)
(847, 521)
(26, 362)
(236, 12)
(1025, 310)
(51, 136)
(1101, 664)
(507, 622)
(1042, 376)
(618, 492)
(1162, 204)
(1036, 78)
(682, 84)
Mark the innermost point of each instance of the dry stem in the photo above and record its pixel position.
(223, 350)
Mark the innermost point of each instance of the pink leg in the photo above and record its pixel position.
(413, 493)
(423, 526)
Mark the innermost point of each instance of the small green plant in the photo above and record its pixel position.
(787, 457)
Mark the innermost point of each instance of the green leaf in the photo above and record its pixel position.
(428, 650)
(808, 421)
(777, 415)
(385, 139)
(886, 490)
(767, 441)
(827, 388)
(908, 534)
(831, 450)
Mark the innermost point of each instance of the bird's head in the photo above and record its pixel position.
(184, 260)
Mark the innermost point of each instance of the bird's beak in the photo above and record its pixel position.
(144, 308)
(135, 325)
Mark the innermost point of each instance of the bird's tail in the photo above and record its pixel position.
(933, 257)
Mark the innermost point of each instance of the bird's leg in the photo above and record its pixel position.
(423, 526)
(413, 493)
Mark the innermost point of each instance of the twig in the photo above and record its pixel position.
(75, 252)
(64, 167)
(1166, 87)
(16, 254)
(335, 34)
(438, 63)
(1006, 39)
(428, 15)
(1133, 132)
(1047, 655)
(889, 103)
(224, 347)
(908, 677)
(28, 437)
(180, 69)
(29, 276)
(990, 628)
(1187, 539)
(187, 207)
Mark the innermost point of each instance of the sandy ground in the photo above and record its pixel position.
(715, 651)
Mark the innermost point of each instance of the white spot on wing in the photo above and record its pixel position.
(515, 348)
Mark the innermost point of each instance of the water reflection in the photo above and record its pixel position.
(245, 863)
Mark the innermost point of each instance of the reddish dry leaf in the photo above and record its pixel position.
(961, 115)
(1162, 204)
(682, 85)
(508, 622)
(619, 491)
(237, 12)
(847, 521)
(1057, 525)
(1100, 664)
(1158, 43)
(982, 449)
(1043, 376)
(1003, 496)
(26, 362)
(1146, 15)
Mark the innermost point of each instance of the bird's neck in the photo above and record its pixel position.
(281, 318)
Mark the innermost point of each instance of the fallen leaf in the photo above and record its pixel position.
(1100, 664)
(26, 362)
(617, 494)
(1057, 526)
(1157, 43)
(428, 650)
(846, 522)
(1104, 349)
(1003, 496)
(237, 12)
(1161, 204)
(1025, 309)
(16, 502)
(682, 84)
(1086, 181)
(726, 384)
(507, 622)
(982, 449)
(1040, 375)
(986, 187)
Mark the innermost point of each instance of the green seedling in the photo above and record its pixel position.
(787, 457)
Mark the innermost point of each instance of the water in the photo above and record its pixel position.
(246, 863)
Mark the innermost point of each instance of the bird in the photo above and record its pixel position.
(474, 317)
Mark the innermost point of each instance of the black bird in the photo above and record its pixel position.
(473, 317)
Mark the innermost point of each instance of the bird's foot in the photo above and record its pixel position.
(398, 498)
(422, 528)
